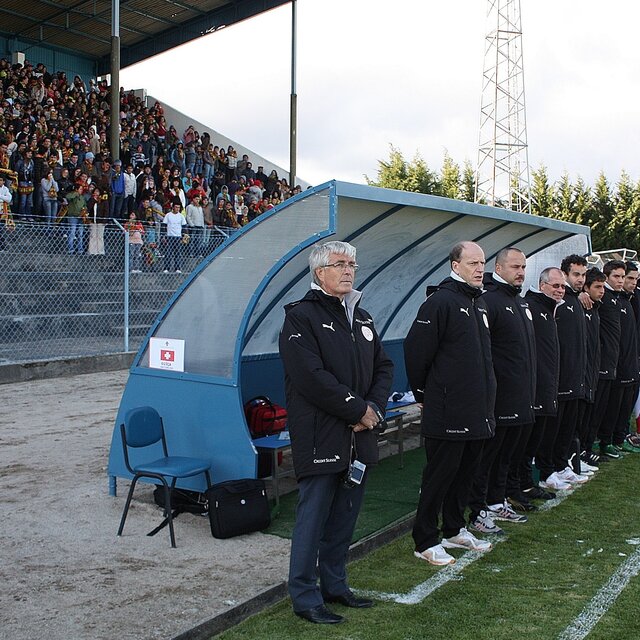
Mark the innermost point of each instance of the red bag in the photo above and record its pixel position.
(265, 417)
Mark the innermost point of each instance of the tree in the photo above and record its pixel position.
(450, 181)
(396, 173)
(602, 213)
(468, 185)
(623, 228)
(392, 174)
(564, 199)
(542, 193)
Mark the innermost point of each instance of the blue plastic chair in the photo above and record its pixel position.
(143, 427)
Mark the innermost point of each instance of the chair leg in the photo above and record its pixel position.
(207, 475)
(167, 500)
(127, 503)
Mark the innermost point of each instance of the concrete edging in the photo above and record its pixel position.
(43, 369)
(277, 593)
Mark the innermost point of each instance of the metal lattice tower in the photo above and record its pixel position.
(502, 173)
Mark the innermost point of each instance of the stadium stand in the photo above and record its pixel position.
(54, 135)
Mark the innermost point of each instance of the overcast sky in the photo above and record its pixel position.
(408, 72)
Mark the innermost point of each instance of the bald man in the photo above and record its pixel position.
(449, 367)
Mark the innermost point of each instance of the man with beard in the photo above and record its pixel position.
(513, 352)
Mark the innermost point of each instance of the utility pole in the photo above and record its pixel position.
(502, 172)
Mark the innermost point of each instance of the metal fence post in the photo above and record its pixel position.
(126, 285)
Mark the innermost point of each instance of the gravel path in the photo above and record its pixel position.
(65, 574)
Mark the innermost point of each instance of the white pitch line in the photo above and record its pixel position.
(450, 572)
(426, 588)
(603, 600)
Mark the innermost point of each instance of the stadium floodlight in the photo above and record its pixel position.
(502, 173)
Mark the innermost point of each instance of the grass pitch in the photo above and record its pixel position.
(532, 585)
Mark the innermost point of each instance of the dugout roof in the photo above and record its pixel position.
(228, 312)
(147, 27)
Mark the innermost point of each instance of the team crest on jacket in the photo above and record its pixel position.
(367, 333)
(486, 320)
(528, 314)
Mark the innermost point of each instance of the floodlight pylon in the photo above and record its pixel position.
(502, 172)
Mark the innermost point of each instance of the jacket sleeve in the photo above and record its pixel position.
(305, 368)
(380, 388)
(422, 343)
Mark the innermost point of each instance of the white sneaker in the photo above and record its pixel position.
(567, 475)
(587, 469)
(435, 555)
(554, 483)
(466, 540)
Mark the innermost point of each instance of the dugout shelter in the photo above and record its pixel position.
(224, 320)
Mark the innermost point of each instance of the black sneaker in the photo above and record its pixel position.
(522, 504)
(538, 493)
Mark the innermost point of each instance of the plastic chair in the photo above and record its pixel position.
(143, 427)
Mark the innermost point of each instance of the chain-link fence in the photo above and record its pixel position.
(74, 289)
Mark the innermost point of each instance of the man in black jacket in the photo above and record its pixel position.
(448, 360)
(513, 351)
(337, 379)
(542, 302)
(627, 374)
(594, 288)
(607, 401)
(553, 454)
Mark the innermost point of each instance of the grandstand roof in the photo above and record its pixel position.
(147, 27)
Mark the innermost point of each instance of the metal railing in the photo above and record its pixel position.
(74, 289)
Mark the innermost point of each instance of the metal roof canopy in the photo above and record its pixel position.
(147, 27)
(229, 311)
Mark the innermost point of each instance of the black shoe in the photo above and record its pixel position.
(537, 493)
(348, 599)
(522, 504)
(320, 615)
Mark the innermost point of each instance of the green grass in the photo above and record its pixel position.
(532, 585)
(391, 493)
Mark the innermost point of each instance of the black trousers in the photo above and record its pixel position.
(446, 482)
(611, 413)
(490, 484)
(621, 427)
(553, 452)
(519, 460)
(600, 403)
(531, 453)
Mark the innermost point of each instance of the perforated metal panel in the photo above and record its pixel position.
(208, 313)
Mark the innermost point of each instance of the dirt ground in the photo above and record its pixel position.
(65, 574)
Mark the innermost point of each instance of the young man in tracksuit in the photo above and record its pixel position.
(627, 373)
(542, 302)
(448, 361)
(513, 351)
(553, 454)
(337, 381)
(594, 288)
(607, 405)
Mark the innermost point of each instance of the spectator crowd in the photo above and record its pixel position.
(56, 168)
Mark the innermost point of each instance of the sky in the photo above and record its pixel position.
(371, 73)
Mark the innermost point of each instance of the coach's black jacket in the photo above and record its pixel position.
(547, 352)
(592, 364)
(609, 334)
(513, 349)
(627, 371)
(572, 335)
(448, 361)
(332, 370)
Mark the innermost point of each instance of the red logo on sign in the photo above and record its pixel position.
(167, 355)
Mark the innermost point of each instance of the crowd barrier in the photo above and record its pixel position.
(70, 290)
